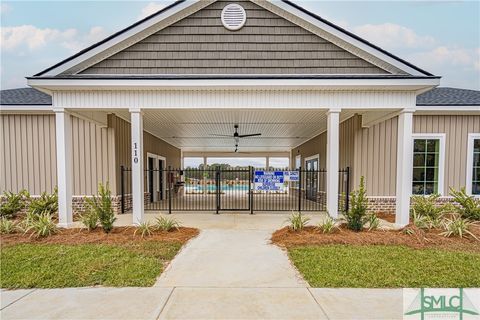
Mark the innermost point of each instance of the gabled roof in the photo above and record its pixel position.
(449, 97)
(435, 97)
(182, 8)
(24, 97)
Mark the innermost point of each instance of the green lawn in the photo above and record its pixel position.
(57, 266)
(385, 266)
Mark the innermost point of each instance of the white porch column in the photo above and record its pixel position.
(63, 132)
(404, 166)
(333, 141)
(267, 163)
(137, 165)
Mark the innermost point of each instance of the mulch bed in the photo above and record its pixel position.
(285, 237)
(119, 235)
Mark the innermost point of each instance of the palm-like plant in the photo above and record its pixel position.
(297, 221)
(458, 227)
(166, 224)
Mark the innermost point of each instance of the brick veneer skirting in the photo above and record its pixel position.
(79, 204)
(387, 204)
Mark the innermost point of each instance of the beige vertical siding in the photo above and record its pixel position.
(28, 159)
(375, 157)
(376, 150)
(456, 129)
(92, 154)
(318, 145)
(151, 144)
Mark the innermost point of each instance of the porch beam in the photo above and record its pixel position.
(333, 147)
(63, 135)
(137, 165)
(404, 166)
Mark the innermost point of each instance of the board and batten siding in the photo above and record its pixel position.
(376, 150)
(28, 159)
(151, 144)
(318, 145)
(372, 152)
(200, 44)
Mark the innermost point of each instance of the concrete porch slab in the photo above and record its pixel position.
(242, 303)
(225, 220)
(90, 303)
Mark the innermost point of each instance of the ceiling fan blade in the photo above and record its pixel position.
(250, 135)
(221, 135)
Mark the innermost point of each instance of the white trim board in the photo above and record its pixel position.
(469, 173)
(441, 161)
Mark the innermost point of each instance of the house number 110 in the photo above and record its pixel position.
(135, 152)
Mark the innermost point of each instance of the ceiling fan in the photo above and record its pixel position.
(236, 136)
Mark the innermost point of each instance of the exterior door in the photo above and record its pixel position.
(311, 179)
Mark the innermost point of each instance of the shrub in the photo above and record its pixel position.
(101, 205)
(7, 226)
(46, 203)
(166, 224)
(356, 216)
(297, 221)
(329, 225)
(427, 206)
(89, 219)
(458, 227)
(145, 228)
(14, 202)
(469, 207)
(42, 225)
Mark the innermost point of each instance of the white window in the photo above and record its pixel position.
(428, 164)
(473, 164)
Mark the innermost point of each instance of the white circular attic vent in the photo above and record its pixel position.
(233, 17)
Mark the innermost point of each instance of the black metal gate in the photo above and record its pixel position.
(232, 189)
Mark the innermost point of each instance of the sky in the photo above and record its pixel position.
(442, 37)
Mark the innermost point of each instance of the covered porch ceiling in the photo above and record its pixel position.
(194, 130)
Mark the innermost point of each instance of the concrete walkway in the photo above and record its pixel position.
(230, 271)
(201, 303)
(231, 258)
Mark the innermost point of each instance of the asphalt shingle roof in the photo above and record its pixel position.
(449, 97)
(24, 96)
(434, 97)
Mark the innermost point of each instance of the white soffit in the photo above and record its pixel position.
(193, 130)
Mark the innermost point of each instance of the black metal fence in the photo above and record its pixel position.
(234, 189)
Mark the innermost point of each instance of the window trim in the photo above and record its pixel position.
(441, 161)
(469, 175)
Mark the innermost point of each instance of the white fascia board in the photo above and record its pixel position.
(122, 37)
(343, 36)
(448, 109)
(138, 84)
(26, 108)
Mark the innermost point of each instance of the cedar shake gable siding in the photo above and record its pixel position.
(200, 44)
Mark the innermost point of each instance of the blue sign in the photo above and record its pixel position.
(273, 180)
